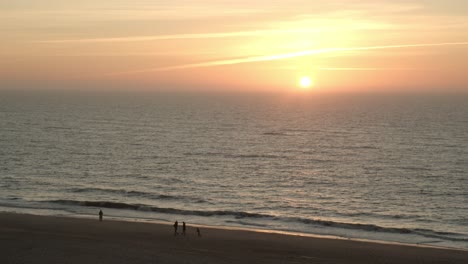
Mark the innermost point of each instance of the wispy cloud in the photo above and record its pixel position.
(185, 36)
(365, 69)
(283, 56)
(127, 54)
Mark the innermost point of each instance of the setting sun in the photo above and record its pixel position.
(303, 131)
(305, 82)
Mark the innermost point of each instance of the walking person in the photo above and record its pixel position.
(176, 225)
(183, 228)
(198, 232)
(100, 215)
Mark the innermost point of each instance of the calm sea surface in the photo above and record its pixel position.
(382, 167)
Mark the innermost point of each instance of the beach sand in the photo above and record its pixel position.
(46, 239)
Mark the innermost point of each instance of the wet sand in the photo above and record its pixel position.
(46, 239)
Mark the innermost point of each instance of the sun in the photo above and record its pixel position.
(305, 82)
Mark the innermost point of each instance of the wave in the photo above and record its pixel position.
(276, 134)
(414, 168)
(375, 228)
(360, 147)
(286, 132)
(148, 208)
(440, 235)
(138, 194)
(255, 156)
(252, 216)
(57, 128)
(246, 223)
(236, 156)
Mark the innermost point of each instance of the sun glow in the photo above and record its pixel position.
(305, 82)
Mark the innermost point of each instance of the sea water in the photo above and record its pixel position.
(379, 167)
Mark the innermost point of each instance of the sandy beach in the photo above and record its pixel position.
(46, 239)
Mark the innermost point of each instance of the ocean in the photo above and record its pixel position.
(381, 167)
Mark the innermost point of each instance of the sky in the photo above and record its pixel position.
(220, 45)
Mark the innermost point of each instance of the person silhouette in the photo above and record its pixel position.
(183, 228)
(176, 225)
(198, 232)
(100, 215)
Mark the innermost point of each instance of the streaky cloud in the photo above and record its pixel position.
(283, 56)
(365, 69)
(183, 36)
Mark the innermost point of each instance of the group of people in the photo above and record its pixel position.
(176, 226)
(184, 228)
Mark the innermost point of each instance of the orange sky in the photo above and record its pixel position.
(343, 45)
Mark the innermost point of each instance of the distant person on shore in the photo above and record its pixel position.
(100, 215)
(176, 225)
(198, 232)
(183, 228)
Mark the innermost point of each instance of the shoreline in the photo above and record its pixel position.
(39, 239)
(149, 220)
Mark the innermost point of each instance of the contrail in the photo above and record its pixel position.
(284, 56)
(365, 69)
(182, 36)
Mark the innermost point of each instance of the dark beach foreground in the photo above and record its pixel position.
(47, 239)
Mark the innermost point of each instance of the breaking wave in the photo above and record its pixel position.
(249, 215)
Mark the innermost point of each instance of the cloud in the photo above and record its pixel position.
(184, 36)
(367, 69)
(283, 56)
